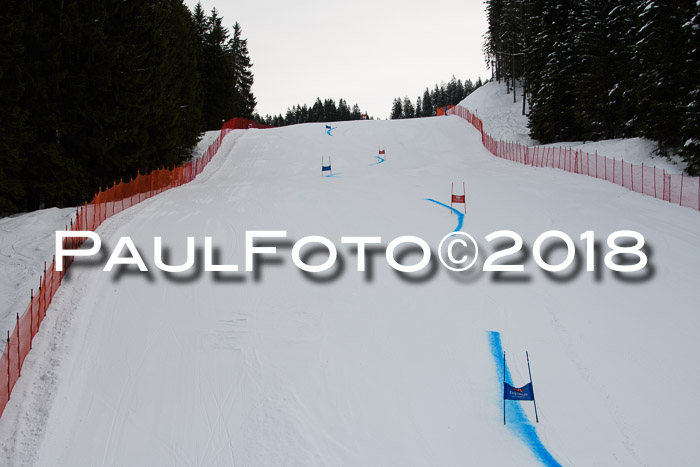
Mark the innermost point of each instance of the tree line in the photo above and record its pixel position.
(91, 92)
(326, 111)
(601, 69)
(443, 95)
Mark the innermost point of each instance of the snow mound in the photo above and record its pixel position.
(208, 137)
(503, 119)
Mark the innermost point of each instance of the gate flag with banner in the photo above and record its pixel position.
(459, 199)
(524, 393)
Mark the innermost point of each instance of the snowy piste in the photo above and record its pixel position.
(282, 367)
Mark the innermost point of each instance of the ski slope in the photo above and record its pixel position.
(367, 368)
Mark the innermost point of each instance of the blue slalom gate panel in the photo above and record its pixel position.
(524, 393)
(326, 168)
(518, 422)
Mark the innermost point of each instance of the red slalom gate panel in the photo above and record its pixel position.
(675, 188)
(106, 203)
(459, 199)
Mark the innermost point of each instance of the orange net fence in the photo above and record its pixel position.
(675, 188)
(444, 110)
(106, 203)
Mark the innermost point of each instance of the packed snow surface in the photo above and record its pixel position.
(278, 367)
(207, 138)
(26, 241)
(504, 120)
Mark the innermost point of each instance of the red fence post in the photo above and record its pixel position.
(31, 318)
(559, 159)
(596, 164)
(588, 165)
(9, 362)
(42, 300)
(631, 175)
(103, 210)
(53, 275)
(680, 198)
(663, 178)
(606, 167)
(19, 356)
(42, 290)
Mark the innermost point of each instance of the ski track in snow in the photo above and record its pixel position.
(460, 216)
(378, 162)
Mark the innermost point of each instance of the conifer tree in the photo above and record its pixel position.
(662, 48)
(602, 68)
(690, 129)
(49, 174)
(397, 109)
(243, 76)
(92, 92)
(408, 110)
(595, 111)
(218, 74)
(343, 110)
(356, 112)
(329, 110)
(14, 132)
(427, 104)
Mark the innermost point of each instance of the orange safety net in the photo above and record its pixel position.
(106, 203)
(444, 110)
(674, 188)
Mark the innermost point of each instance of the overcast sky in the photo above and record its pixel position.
(367, 52)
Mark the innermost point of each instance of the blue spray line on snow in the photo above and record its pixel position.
(331, 129)
(517, 420)
(380, 161)
(460, 216)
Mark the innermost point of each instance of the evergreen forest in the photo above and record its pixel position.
(602, 69)
(91, 92)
